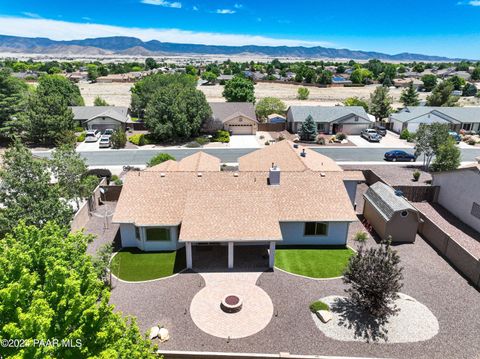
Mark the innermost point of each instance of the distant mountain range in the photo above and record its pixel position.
(122, 45)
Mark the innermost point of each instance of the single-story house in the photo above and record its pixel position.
(390, 213)
(238, 118)
(350, 120)
(459, 193)
(168, 210)
(457, 118)
(405, 82)
(101, 117)
(276, 118)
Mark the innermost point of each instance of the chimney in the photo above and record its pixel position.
(274, 175)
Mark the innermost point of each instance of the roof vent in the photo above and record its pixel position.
(322, 174)
(199, 174)
(274, 176)
(162, 174)
(303, 153)
(295, 145)
(235, 174)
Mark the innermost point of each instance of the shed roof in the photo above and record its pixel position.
(460, 114)
(384, 199)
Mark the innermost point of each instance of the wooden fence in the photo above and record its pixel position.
(82, 216)
(272, 127)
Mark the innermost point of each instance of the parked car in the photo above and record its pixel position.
(92, 136)
(108, 132)
(455, 136)
(371, 135)
(104, 141)
(382, 131)
(397, 155)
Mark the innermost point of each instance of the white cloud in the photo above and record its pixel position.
(32, 15)
(474, 3)
(86, 18)
(195, 8)
(225, 11)
(238, 6)
(62, 30)
(164, 3)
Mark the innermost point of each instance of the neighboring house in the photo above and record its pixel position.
(236, 117)
(405, 82)
(390, 213)
(276, 118)
(340, 81)
(223, 78)
(457, 118)
(350, 120)
(167, 210)
(101, 117)
(459, 193)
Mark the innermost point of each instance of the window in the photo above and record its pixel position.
(316, 228)
(158, 234)
(137, 233)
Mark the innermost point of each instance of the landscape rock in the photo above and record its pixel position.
(163, 334)
(154, 331)
(324, 315)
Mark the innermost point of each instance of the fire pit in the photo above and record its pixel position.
(231, 304)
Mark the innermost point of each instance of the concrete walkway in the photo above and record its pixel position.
(256, 312)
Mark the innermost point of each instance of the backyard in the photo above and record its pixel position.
(313, 262)
(134, 265)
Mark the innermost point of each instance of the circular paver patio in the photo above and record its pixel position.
(256, 312)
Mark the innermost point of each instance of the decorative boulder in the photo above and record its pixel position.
(324, 315)
(163, 334)
(154, 331)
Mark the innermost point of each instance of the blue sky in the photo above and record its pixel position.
(437, 27)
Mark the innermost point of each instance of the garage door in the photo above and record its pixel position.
(241, 129)
(104, 126)
(354, 129)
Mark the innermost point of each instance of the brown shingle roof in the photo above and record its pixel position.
(288, 158)
(198, 162)
(149, 199)
(223, 111)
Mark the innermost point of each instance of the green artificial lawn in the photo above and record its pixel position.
(313, 262)
(134, 265)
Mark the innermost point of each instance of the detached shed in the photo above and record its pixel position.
(390, 213)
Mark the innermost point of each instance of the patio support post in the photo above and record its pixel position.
(230, 255)
(189, 254)
(271, 257)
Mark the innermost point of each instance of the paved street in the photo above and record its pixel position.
(109, 157)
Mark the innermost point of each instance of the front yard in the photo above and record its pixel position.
(134, 265)
(313, 262)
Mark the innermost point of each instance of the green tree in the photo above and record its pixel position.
(457, 82)
(447, 157)
(57, 85)
(13, 95)
(99, 101)
(144, 89)
(303, 93)
(150, 63)
(469, 90)
(26, 192)
(442, 96)
(239, 89)
(69, 168)
(269, 105)
(409, 96)
(50, 289)
(361, 76)
(428, 139)
(209, 76)
(374, 277)
(118, 139)
(476, 73)
(380, 103)
(308, 129)
(429, 82)
(92, 72)
(355, 101)
(157, 159)
(324, 77)
(176, 112)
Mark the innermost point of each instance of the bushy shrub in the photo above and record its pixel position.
(416, 175)
(318, 305)
(202, 140)
(360, 236)
(405, 135)
(321, 140)
(79, 129)
(118, 139)
(161, 157)
(116, 180)
(222, 136)
(341, 136)
(138, 139)
(81, 137)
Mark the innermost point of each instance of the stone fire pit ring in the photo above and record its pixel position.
(231, 303)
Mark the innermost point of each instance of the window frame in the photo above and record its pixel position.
(138, 235)
(166, 229)
(317, 225)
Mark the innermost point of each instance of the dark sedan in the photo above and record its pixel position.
(399, 156)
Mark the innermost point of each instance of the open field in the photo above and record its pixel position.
(118, 94)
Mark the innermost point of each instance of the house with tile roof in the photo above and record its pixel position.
(101, 117)
(350, 120)
(238, 118)
(457, 118)
(191, 203)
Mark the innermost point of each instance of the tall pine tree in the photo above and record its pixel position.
(409, 96)
(308, 130)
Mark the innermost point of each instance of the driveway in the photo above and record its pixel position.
(243, 141)
(88, 146)
(389, 141)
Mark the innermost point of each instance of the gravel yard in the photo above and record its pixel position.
(398, 175)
